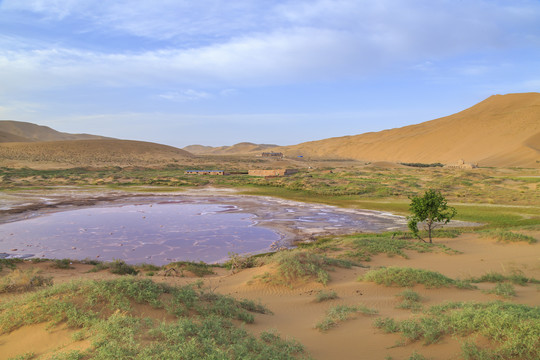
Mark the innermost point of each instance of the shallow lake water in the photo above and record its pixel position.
(167, 228)
(152, 233)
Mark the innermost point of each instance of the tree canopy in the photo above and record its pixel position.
(432, 209)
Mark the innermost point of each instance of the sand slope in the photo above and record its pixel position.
(89, 153)
(237, 149)
(503, 130)
(23, 131)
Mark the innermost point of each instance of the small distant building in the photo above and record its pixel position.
(461, 164)
(272, 173)
(272, 154)
(205, 172)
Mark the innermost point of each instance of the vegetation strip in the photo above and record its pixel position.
(515, 329)
(105, 313)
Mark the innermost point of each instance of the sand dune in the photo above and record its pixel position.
(503, 130)
(237, 149)
(24, 131)
(89, 153)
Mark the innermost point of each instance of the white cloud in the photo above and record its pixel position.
(185, 95)
(243, 43)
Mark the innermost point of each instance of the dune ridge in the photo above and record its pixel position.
(20, 131)
(90, 153)
(494, 132)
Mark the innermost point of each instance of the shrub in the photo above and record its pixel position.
(503, 289)
(513, 328)
(62, 264)
(300, 265)
(339, 313)
(506, 236)
(396, 276)
(18, 280)
(325, 296)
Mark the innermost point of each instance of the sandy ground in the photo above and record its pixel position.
(296, 312)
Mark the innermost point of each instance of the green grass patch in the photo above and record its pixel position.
(513, 329)
(364, 246)
(507, 236)
(505, 290)
(9, 263)
(62, 264)
(326, 296)
(340, 313)
(118, 267)
(298, 265)
(516, 278)
(410, 300)
(21, 281)
(199, 269)
(407, 277)
(108, 314)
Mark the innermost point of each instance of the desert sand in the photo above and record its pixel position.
(296, 312)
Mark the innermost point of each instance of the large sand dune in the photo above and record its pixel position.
(503, 130)
(89, 153)
(237, 149)
(17, 131)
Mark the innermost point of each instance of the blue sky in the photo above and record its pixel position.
(267, 71)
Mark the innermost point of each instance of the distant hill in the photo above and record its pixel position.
(89, 153)
(503, 130)
(19, 131)
(242, 148)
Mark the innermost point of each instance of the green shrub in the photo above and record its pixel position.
(514, 329)
(19, 280)
(503, 289)
(325, 296)
(339, 313)
(410, 300)
(298, 265)
(199, 269)
(105, 314)
(507, 236)
(406, 277)
(62, 264)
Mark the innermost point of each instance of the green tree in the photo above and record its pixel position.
(431, 209)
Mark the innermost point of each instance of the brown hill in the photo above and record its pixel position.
(9, 137)
(237, 149)
(89, 153)
(503, 130)
(19, 131)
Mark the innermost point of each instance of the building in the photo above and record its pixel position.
(461, 164)
(272, 173)
(205, 172)
(273, 155)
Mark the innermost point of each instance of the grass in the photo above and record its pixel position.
(513, 329)
(20, 281)
(364, 246)
(409, 300)
(118, 267)
(298, 265)
(503, 289)
(199, 269)
(407, 277)
(507, 236)
(62, 264)
(9, 263)
(339, 313)
(325, 296)
(107, 314)
(516, 278)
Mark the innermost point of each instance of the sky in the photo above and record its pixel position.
(280, 72)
